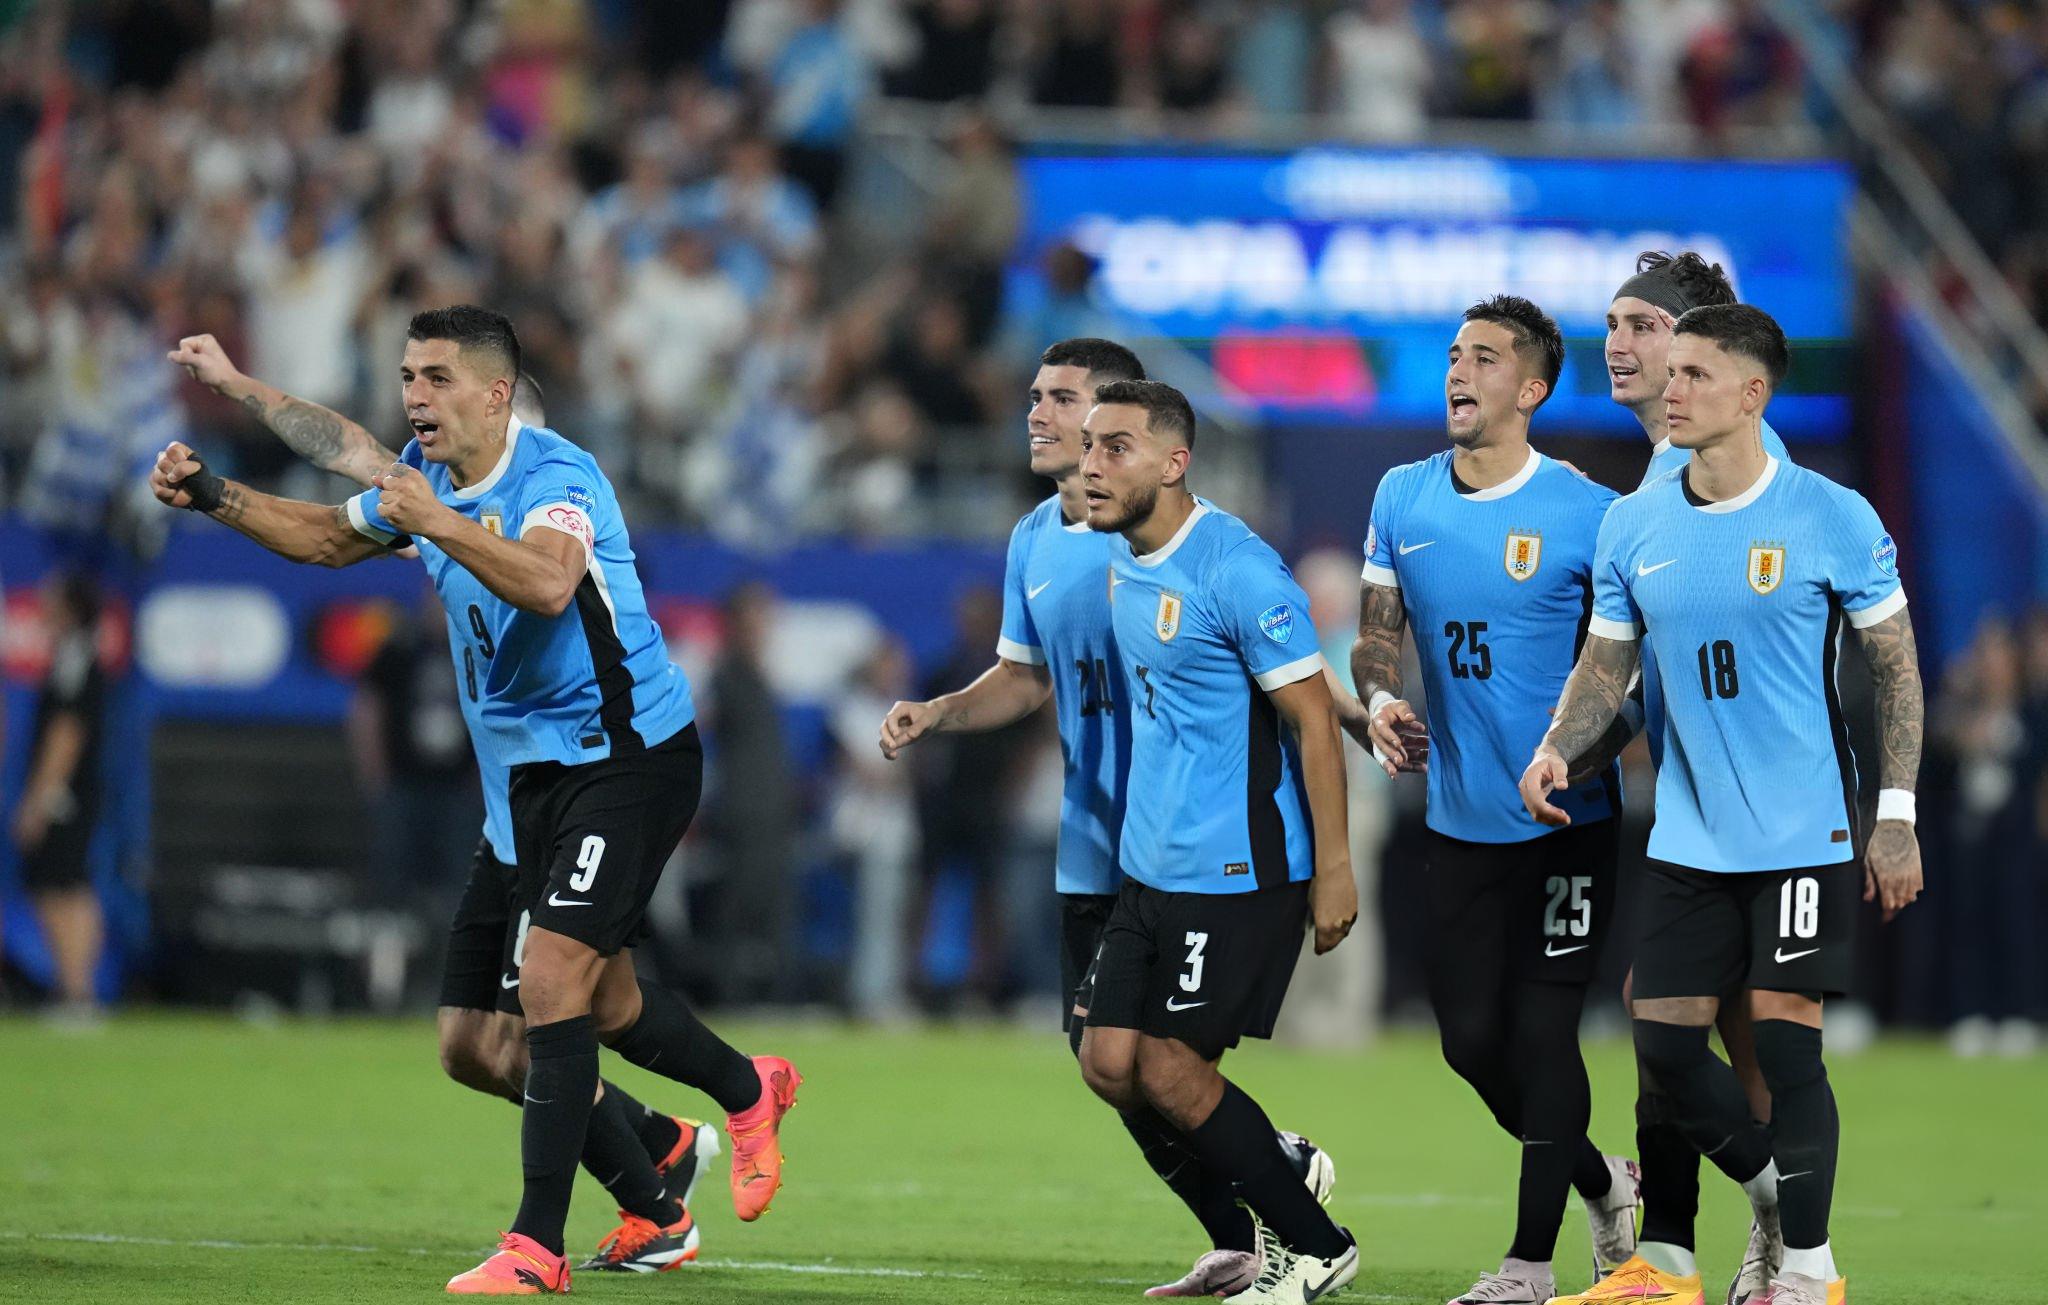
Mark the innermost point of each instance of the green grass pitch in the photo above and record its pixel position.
(181, 1159)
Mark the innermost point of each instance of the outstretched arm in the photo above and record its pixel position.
(298, 531)
(1892, 861)
(1593, 698)
(320, 435)
(1005, 692)
(1398, 738)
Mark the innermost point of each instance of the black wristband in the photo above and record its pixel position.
(204, 487)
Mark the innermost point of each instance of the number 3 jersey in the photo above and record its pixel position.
(1497, 584)
(1056, 615)
(1208, 625)
(589, 683)
(1743, 603)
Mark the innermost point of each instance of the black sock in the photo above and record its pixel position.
(658, 1133)
(1712, 1111)
(1807, 1132)
(1591, 1177)
(561, 1080)
(1166, 1149)
(669, 1039)
(1556, 1106)
(1671, 1170)
(1236, 1143)
(614, 1157)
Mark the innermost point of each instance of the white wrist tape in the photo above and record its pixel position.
(1380, 698)
(1895, 804)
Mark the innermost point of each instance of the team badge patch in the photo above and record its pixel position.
(1886, 554)
(1524, 553)
(1277, 622)
(1168, 623)
(493, 520)
(1766, 567)
(581, 497)
(1372, 538)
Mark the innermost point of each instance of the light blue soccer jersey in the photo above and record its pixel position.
(582, 686)
(1206, 626)
(497, 783)
(1056, 615)
(1497, 584)
(1665, 459)
(1743, 603)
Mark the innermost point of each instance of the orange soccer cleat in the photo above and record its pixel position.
(640, 1245)
(756, 1146)
(522, 1267)
(1638, 1282)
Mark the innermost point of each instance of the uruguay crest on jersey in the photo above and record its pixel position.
(1766, 566)
(1167, 624)
(1524, 553)
(493, 520)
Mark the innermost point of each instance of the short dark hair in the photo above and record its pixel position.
(1741, 329)
(1702, 283)
(1167, 410)
(1537, 338)
(470, 327)
(1104, 360)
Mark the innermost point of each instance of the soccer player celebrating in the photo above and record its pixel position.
(649, 1162)
(1742, 569)
(1486, 552)
(1057, 642)
(1234, 824)
(523, 538)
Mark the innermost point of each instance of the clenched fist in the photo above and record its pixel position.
(408, 502)
(205, 361)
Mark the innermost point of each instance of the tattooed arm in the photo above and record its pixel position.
(1593, 697)
(1892, 860)
(297, 531)
(321, 436)
(1397, 737)
(1607, 749)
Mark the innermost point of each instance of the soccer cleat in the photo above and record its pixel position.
(1761, 1261)
(1509, 1287)
(688, 1160)
(1310, 1161)
(1614, 1218)
(1219, 1273)
(1639, 1280)
(643, 1246)
(1798, 1289)
(1290, 1278)
(522, 1267)
(756, 1142)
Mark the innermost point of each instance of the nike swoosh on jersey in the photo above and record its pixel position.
(1406, 549)
(1033, 593)
(1174, 1003)
(1782, 957)
(1642, 570)
(556, 899)
(1548, 949)
(508, 984)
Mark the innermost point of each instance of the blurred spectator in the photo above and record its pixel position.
(1741, 71)
(816, 83)
(930, 359)
(1076, 62)
(413, 760)
(1273, 57)
(1380, 71)
(303, 295)
(53, 823)
(873, 823)
(975, 219)
(1596, 70)
(1493, 57)
(762, 216)
(955, 57)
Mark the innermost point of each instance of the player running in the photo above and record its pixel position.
(1486, 552)
(573, 690)
(1057, 643)
(1742, 568)
(1234, 832)
(649, 1162)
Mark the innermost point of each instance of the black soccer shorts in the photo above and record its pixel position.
(481, 969)
(1701, 933)
(1207, 969)
(63, 860)
(1542, 907)
(592, 839)
(1082, 919)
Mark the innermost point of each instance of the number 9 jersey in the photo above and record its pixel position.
(1743, 603)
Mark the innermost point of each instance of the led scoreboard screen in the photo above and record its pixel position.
(1325, 285)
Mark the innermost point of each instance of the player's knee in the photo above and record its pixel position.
(1670, 1052)
(1471, 1047)
(463, 1061)
(1789, 1055)
(1109, 1073)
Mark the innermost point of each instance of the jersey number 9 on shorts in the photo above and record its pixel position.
(587, 858)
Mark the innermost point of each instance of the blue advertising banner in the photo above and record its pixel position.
(1326, 284)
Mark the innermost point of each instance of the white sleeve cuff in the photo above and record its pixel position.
(1024, 654)
(1619, 631)
(1375, 574)
(361, 521)
(565, 517)
(1282, 676)
(1878, 610)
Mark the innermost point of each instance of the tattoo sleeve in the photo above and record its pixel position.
(1376, 653)
(1894, 661)
(1609, 746)
(320, 435)
(1593, 695)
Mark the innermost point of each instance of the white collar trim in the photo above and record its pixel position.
(1747, 496)
(490, 482)
(1166, 550)
(1658, 449)
(1506, 487)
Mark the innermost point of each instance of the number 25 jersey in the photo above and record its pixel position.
(1743, 603)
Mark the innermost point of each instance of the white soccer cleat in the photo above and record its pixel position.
(1290, 1278)
(1761, 1261)
(1314, 1164)
(1516, 1286)
(1614, 1218)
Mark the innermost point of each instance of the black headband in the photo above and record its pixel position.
(1657, 286)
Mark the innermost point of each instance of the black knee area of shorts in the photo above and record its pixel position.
(1789, 1055)
(1671, 1052)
